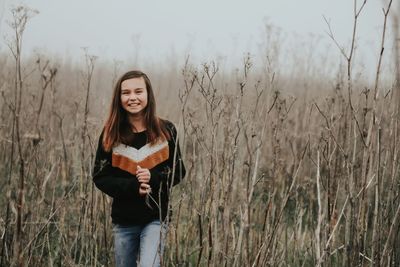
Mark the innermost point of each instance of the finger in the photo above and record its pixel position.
(144, 181)
(144, 186)
(142, 170)
(143, 175)
(142, 192)
(145, 189)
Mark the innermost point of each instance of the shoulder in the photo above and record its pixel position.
(100, 140)
(169, 126)
(166, 123)
(100, 146)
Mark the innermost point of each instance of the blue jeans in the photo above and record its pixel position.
(139, 244)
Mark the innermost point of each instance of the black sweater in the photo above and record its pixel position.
(114, 174)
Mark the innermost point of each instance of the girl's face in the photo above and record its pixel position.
(134, 96)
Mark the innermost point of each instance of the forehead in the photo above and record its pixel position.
(133, 83)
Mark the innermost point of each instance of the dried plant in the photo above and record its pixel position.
(283, 169)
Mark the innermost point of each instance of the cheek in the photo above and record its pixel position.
(145, 98)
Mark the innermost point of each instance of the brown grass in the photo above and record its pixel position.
(297, 169)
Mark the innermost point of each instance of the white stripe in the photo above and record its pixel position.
(138, 154)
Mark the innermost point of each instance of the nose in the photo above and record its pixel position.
(132, 96)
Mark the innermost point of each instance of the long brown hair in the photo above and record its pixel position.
(117, 129)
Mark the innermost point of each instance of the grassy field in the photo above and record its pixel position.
(284, 168)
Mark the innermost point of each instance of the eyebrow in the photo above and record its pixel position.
(139, 88)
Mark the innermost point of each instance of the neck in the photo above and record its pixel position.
(137, 123)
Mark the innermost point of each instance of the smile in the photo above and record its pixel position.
(133, 105)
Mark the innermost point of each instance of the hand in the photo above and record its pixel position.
(144, 189)
(143, 175)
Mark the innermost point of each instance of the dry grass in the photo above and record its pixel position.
(281, 171)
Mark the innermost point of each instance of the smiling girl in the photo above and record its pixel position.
(138, 160)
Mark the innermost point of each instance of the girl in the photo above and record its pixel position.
(138, 160)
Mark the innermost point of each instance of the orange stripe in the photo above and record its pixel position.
(149, 162)
(154, 159)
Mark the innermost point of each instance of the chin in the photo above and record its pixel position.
(136, 113)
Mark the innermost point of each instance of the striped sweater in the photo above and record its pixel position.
(114, 174)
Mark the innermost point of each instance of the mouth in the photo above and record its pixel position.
(133, 105)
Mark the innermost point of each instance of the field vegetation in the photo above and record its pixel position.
(287, 164)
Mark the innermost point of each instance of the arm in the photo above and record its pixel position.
(105, 179)
(174, 171)
(177, 169)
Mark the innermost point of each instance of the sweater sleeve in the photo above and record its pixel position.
(155, 180)
(174, 170)
(177, 169)
(105, 178)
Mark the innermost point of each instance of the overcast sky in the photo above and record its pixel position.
(119, 29)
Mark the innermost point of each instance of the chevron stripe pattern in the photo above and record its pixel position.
(148, 156)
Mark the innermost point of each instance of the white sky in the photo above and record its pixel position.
(119, 29)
